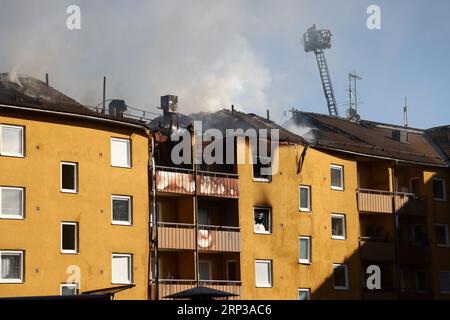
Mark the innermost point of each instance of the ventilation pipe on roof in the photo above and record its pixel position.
(232, 108)
(268, 114)
(405, 113)
(46, 79)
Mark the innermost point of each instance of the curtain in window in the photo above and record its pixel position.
(10, 266)
(11, 200)
(120, 210)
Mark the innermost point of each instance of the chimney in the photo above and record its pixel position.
(232, 108)
(117, 108)
(268, 114)
(400, 136)
(169, 104)
(46, 79)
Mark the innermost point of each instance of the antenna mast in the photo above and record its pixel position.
(352, 111)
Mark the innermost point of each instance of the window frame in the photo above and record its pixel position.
(130, 210)
(270, 220)
(209, 263)
(11, 217)
(344, 226)
(440, 286)
(115, 165)
(447, 243)
(307, 290)
(17, 280)
(75, 165)
(308, 260)
(130, 268)
(309, 207)
(444, 189)
(341, 168)
(269, 262)
(227, 268)
(22, 141)
(416, 282)
(68, 251)
(70, 285)
(260, 179)
(411, 183)
(346, 286)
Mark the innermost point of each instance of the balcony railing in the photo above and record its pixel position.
(413, 254)
(171, 286)
(380, 201)
(215, 238)
(214, 184)
(372, 249)
(181, 236)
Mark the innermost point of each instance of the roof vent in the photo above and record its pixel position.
(400, 136)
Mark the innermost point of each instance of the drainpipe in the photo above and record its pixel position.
(396, 225)
(154, 240)
(194, 162)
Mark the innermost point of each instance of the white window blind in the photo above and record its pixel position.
(120, 153)
(11, 142)
(263, 273)
(121, 268)
(11, 203)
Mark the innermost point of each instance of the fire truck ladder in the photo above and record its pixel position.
(326, 82)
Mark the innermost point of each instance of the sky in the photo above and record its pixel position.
(214, 53)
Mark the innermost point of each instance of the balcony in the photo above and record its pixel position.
(379, 201)
(376, 250)
(412, 254)
(181, 236)
(170, 286)
(212, 184)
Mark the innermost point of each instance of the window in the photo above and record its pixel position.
(338, 226)
(304, 294)
(204, 218)
(69, 289)
(204, 269)
(121, 210)
(419, 235)
(262, 170)
(11, 203)
(69, 237)
(414, 186)
(11, 266)
(340, 276)
(262, 220)
(441, 235)
(122, 269)
(305, 198)
(232, 270)
(337, 177)
(120, 153)
(305, 250)
(263, 273)
(69, 177)
(444, 281)
(439, 189)
(402, 281)
(421, 281)
(11, 141)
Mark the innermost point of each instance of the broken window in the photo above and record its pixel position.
(262, 220)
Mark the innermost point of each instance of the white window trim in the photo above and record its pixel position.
(74, 164)
(440, 290)
(17, 155)
(69, 285)
(447, 244)
(129, 153)
(341, 168)
(346, 287)
(8, 216)
(130, 267)
(19, 280)
(228, 268)
(416, 282)
(307, 290)
(76, 237)
(270, 285)
(308, 208)
(444, 190)
(305, 261)
(344, 228)
(208, 262)
(270, 220)
(122, 223)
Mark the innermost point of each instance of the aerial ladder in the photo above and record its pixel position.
(316, 41)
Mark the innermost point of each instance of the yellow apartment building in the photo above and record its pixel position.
(352, 196)
(74, 205)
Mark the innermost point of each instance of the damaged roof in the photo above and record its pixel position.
(231, 119)
(369, 138)
(441, 136)
(25, 92)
